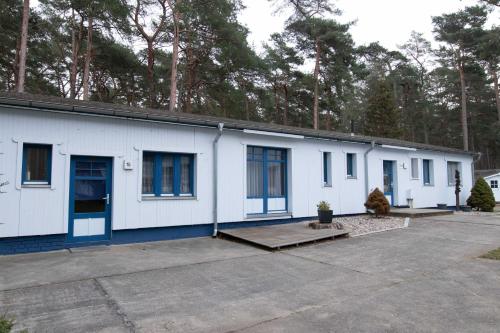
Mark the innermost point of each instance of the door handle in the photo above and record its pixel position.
(106, 198)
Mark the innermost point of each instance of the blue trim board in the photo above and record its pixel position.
(27, 244)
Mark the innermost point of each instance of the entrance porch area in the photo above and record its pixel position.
(276, 237)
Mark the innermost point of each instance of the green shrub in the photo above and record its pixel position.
(378, 203)
(481, 197)
(6, 324)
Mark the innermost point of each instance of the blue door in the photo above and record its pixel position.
(389, 181)
(90, 199)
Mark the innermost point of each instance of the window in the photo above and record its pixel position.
(494, 183)
(266, 172)
(428, 172)
(414, 168)
(452, 168)
(351, 165)
(327, 166)
(37, 161)
(165, 174)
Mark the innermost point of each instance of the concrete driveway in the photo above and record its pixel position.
(426, 278)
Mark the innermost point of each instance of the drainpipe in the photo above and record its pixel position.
(366, 167)
(472, 166)
(220, 127)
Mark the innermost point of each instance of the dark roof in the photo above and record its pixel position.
(50, 103)
(485, 172)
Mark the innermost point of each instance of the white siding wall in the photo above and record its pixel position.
(38, 211)
(496, 191)
(423, 195)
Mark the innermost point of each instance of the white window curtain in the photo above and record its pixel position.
(167, 184)
(255, 179)
(147, 173)
(37, 163)
(276, 179)
(452, 167)
(185, 174)
(414, 168)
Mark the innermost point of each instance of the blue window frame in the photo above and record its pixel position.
(37, 164)
(166, 174)
(351, 165)
(266, 172)
(426, 166)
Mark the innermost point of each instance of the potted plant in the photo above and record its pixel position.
(325, 214)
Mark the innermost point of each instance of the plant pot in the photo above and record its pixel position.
(442, 206)
(325, 216)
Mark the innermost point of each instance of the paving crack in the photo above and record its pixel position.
(115, 306)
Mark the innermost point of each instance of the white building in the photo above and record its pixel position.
(494, 182)
(76, 173)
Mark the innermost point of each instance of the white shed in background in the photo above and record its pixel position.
(494, 182)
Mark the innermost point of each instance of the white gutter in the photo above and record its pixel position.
(215, 174)
(398, 147)
(283, 135)
(366, 167)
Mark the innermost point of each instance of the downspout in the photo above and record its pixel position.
(366, 167)
(220, 127)
(472, 167)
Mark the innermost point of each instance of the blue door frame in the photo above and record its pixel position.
(104, 194)
(389, 180)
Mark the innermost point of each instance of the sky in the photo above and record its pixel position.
(388, 21)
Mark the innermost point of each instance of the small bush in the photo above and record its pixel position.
(378, 203)
(323, 205)
(6, 324)
(481, 197)
(493, 254)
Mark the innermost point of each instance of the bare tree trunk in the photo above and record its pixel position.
(189, 76)
(285, 111)
(465, 129)
(276, 100)
(175, 57)
(150, 72)
(88, 57)
(316, 87)
(426, 126)
(15, 65)
(497, 93)
(23, 47)
(75, 50)
(247, 108)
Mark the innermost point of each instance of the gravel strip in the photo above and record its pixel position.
(365, 224)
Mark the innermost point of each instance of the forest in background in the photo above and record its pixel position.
(193, 56)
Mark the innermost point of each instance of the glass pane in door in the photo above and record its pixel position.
(90, 196)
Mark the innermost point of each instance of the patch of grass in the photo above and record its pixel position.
(6, 324)
(493, 254)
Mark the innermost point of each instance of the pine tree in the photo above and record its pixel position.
(481, 196)
(382, 117)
